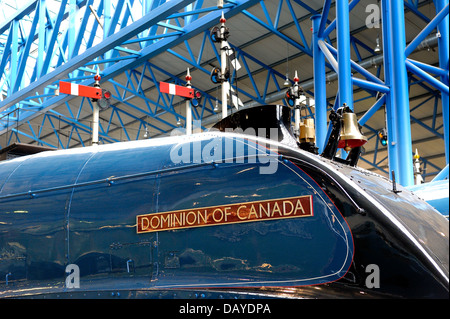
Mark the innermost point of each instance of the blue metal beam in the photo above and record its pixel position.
(371, 111)
(428, 78)
(343, 42)
(182, 25)
(324, 18)
(33, 138)
(156, 47)
(162, 45)
(414, 8)
(320, 95)
(443, 174)
(399, 90)
(114, 40)
(443, 43)
(426, 31)
(270, 27)
(26, 50)
(332, 25)
(19, 14)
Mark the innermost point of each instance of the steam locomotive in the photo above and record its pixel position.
(241, 211)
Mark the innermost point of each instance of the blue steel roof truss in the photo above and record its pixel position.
(130, 41)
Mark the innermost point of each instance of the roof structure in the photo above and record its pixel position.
(136, 44)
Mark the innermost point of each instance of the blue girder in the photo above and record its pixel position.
(28, 79)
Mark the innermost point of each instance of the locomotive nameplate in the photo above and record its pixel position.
(265, 210)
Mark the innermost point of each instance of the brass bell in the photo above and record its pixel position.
(307, 131)
(351, 136)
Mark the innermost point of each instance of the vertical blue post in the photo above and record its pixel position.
(443, 43)
(320, 96)
(14, 56)
(388, 71)
(73, 27)
(106, 27)
(42, 38)
(399, 89)
(106, 18)
(343, 42)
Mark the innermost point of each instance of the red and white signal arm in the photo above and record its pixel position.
(80, 90)
(101, 96)
(174, 89)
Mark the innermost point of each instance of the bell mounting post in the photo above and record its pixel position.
(222, 74)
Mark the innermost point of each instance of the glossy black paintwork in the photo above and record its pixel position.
(404, 270)
(90, 222)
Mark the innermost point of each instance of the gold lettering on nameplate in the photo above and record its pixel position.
(272, 209)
